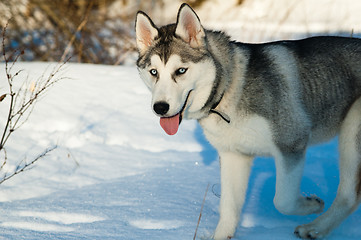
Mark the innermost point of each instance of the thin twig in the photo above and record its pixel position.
(27, 165)
(22, 102)
(80, 27)
(5, 159)
(200, 214)
(12, 94)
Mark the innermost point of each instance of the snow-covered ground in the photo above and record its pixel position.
(117, 175)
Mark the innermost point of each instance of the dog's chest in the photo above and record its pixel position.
(249, 135)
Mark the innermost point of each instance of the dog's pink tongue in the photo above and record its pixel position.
(170, 125)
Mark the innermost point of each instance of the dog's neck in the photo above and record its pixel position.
(223, 115)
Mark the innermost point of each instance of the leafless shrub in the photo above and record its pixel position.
(22, 98)
(46, 27)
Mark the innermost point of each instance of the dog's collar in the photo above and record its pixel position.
(224, 116)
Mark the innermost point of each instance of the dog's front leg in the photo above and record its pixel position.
(235, 171)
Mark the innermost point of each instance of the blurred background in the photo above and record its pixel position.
(102, 31)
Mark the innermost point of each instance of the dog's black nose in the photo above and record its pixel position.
(161, 108)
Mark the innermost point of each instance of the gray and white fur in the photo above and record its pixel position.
(273, 99)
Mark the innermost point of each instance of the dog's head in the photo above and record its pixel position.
(176, 66)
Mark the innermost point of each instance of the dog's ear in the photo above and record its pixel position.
(189, 27)
(145, 30)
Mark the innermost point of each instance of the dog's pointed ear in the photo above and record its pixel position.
(145, 31)
(189, 27)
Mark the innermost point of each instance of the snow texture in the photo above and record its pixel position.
(117, 175)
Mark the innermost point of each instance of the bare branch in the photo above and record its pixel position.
(80, 27)
(5, 159)
(21, 103)
(21, 168)
(3, 138)
(200, 214)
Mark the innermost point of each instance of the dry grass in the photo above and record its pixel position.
(44, 29)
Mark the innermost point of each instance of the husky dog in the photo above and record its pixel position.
(272, 99)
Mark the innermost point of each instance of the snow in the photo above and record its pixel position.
(265, 20)
(117, 175)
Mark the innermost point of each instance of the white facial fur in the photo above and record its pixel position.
(198, 79)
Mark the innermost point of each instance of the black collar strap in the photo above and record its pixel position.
(224, 116)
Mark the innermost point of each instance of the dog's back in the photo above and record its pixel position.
(316, 79)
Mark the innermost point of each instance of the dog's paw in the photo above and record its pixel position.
(309, 231)
(223, 238)
(303, 206)
(224, 231)
(313, 204)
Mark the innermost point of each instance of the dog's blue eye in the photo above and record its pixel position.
(153, 72)
(181, 71)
